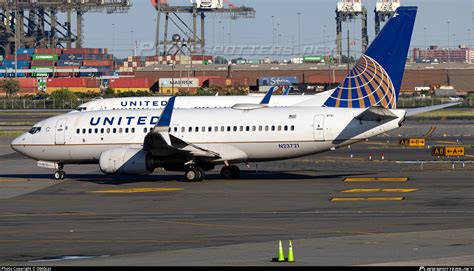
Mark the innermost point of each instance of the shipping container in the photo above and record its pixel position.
(22, 51)
(94, 63)
(313, 59)
(69, 63)
(18, 57)
(74, 89)
(20, 64)
(44, 63)
(142, 83)
(45, 51)
(45, 57)
(72, 82)
(277, 81)
(179, 82)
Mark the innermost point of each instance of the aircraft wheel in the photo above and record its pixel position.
(234, 172)
(226, 173)
(194, 175)
(59, 175)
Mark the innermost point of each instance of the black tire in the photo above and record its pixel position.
(194, 175)
(226, 173)
(202, 174)
(63, 174)
(234, 172)
(57, 175)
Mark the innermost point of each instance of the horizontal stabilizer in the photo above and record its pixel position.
(376, 114)
(421, 110)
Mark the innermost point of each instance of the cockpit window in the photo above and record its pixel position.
(34, 130)
(80, 109)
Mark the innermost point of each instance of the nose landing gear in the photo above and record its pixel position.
(59, 174)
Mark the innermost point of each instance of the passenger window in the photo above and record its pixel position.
(96, 131)
(241, 128)
(145, 130)
(120, 130)
(222, 128)
(78, 131)
(266, 128)
(83, 131)
(254, 128)
(175, 129)
(196, 129)
(115, 130)
(216, 129)
(235, 128)
(126, 130)
(102, 130)
(108, 130)
(183, 129)
(292, 127)
(133, 130)
(273, 127)
(209, 129)
(90, 131)
(228, 128)
(286, 127)
(190, 129)
(247, 128)
(260, 128)
(279, 127)
(203, 129)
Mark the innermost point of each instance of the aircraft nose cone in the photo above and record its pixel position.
(16, 144)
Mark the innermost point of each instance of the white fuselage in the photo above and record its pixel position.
(238, 135)
(186, 102)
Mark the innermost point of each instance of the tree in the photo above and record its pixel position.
(10, 86)
(63, 96)
(109, 93)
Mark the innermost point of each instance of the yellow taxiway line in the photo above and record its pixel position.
(138, 190)
(376, 190)
(382, 179)
(369, 199)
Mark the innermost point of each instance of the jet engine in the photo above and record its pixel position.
(128, 161)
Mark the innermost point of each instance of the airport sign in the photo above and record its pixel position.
(413, 142)
(448, 151)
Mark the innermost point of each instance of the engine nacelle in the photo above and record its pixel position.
(129, 161)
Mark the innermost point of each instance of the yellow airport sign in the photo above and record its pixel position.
(448, 151)
(413, 142)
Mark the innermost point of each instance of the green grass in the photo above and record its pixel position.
(455, 112)
(8, 123)
(11, 133)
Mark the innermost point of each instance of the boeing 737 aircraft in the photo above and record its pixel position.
(196, 140)
(159, 102)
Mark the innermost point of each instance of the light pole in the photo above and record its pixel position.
(133, 43)
(113, 39)
(469, 37)
(299, 33)
(273, 31)
(449, 53)
(16, 38)
(426, 45)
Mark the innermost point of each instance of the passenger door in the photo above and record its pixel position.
(60, 138)
(318, 128)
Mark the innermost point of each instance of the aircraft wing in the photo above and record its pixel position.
(421, 110)
(376, 114)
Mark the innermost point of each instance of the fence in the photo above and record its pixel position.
(72, 104)
(40, 104)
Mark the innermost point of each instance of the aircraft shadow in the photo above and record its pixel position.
(124, 179)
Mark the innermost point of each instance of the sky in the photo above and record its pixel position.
(318, 25)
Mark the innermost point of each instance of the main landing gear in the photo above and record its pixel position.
(230, 172)
(195, 174)
(59, 174)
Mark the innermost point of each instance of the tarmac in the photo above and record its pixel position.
(373, 203)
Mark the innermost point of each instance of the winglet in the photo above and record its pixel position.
(268, 96)
(165, 118)
(287, 91)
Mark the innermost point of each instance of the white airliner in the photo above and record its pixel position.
(197, 140)
(159, 102)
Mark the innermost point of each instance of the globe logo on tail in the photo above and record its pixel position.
(366, 85)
